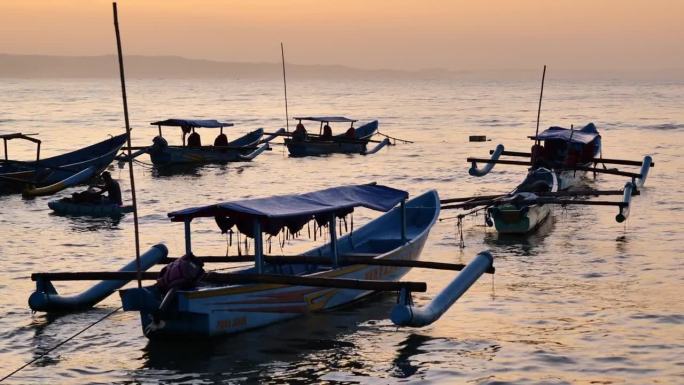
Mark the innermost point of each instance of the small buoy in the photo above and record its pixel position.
(478, 138)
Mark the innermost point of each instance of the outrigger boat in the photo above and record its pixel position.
(558, 162)
(277, 288)
(354, 141)
(50, 175)
(242, 149)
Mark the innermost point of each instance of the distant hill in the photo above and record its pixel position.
(170, 67)
(41, 66)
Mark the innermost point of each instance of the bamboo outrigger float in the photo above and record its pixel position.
(242, 149)
(558, 162)
(369, 259)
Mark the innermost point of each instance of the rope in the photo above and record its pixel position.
(144, 164)
(459, 228)
(60, 344)
(395, 139)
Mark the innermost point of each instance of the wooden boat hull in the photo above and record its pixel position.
(163, 154)
(317, 147)
(509, 219)
(16, 177)
(66, 206)
(231, 309)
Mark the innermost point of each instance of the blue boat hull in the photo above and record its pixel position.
(213, 311)
(16, 177)
(316, 146)
(241, 150)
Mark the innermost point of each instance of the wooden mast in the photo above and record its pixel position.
(287, 117)
(541, 93)
(128, 139)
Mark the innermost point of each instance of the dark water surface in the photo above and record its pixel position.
(585, 300)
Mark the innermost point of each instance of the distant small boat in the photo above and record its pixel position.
(244, 148)
(67, 206)
(562, 149)
(558, 161)
(49, 175)
(354, 141)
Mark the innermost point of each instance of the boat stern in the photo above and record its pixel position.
(510, 219)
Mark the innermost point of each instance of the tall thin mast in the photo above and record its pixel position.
(130, 158)
(287, 117)
(541, 93)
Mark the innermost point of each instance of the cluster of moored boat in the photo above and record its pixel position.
(187, 300)
(371, 258)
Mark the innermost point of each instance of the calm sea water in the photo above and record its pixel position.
(585, 300)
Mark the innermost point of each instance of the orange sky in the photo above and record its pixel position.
(572, 34)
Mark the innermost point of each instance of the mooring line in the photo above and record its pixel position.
(395, 139)
(59, 344)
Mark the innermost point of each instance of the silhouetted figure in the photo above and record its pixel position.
(221, 140)
(299, 134)
(351, 133)
(327, 132)
(112, 188)
(194, 140)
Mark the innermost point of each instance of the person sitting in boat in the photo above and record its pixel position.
(299, 133)
(327, 131)
(538, 156)
(221, 140)
(351, 133)
(112, 188)
(194, 140)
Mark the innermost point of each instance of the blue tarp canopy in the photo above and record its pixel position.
(294, 211)
(191, 123)
(327, 119)
(584, 136)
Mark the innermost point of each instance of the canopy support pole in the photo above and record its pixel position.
(188, 242)
(333, 242)
(403, 221)
(258, 248)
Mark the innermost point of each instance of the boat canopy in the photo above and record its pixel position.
(327, 119)
(294, 211)
(584, 136)
(192, 123)
(19, 135)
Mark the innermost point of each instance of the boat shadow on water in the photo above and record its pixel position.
(83, 224)
(194, 170)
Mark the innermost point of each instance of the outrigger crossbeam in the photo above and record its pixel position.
(575, 168)
(623, 162)
(345, 260)
(329, 138)
(238, 279)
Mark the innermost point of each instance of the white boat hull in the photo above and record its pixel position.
(213, 311)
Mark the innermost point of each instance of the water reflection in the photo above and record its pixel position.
(522, 244)
(305, 348)
(87, 224)
(402, 365)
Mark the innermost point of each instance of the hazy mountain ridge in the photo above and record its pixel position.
(162, 67)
